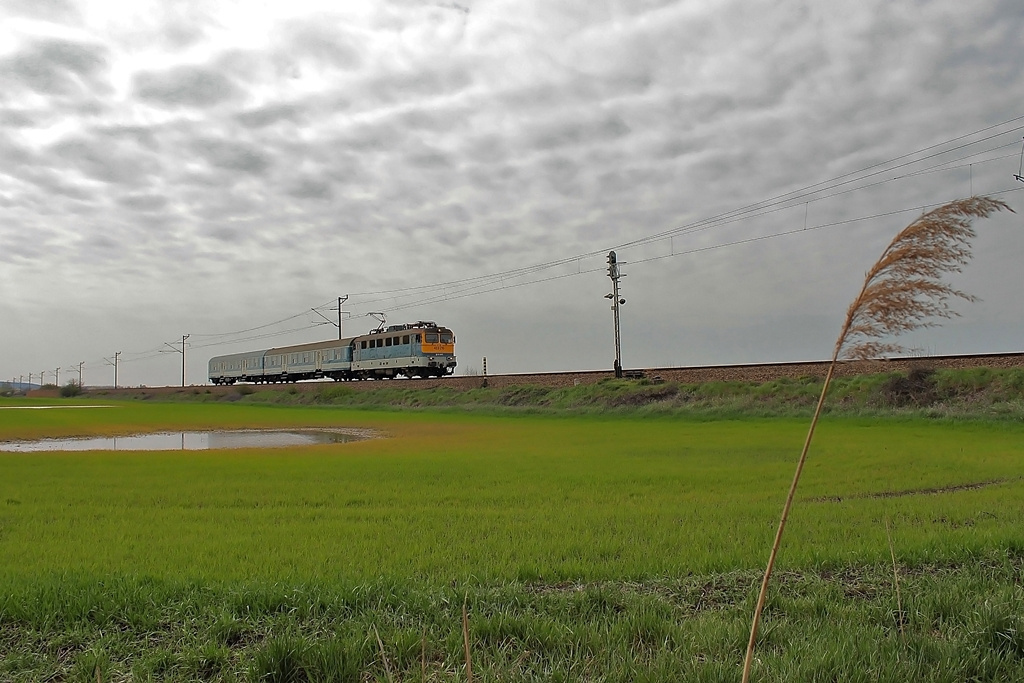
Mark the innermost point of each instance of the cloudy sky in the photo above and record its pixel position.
(218, 169)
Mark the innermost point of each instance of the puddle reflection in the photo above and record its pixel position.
(186, 441)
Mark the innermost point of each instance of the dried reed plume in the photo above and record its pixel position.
(902, 292)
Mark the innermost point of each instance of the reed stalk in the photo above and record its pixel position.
(896, 582)
(383, 655)
(465, 640)
(903, 291)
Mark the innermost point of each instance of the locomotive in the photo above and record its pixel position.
(420, 349)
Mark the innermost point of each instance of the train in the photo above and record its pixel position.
(414, 350)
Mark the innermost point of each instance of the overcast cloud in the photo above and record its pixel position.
(205, 168)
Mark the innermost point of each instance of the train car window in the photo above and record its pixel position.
(418, 339)
(431, 337)
(405, 339)
(362, 344)
(387, 342)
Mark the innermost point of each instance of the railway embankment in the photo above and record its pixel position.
(963, 386)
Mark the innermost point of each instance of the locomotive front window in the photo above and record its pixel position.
(431, 337)
(446, 339)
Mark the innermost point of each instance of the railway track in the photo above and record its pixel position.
(752, 372)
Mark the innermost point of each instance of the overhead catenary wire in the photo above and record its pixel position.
(783, 201)
(427, 294)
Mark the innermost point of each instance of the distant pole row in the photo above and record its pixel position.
(20, 380)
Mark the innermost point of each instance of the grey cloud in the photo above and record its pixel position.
(224, 233)
(17, 118)
(375, 137)
(185, 86)
(311, 188)
(58, 67)
(51, 183)
(271, 114)
(451, 238)
(233, 156)
(323, 43)
(562, 173)
(13, 154)
(575, 132)
(54, 10)
(101, 160)
(429, 159)
(433, 120)
(487, 148)
(143, 202)
(28, 248)
(423, 82)
(182, 34)
(101, 243)
(143, 136)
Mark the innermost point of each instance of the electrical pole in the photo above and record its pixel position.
(114, 363)
(341, 300)
(80, 374)
(614, 274)
(56, 376)
(328, 321)
(182, 352)
(30, 379)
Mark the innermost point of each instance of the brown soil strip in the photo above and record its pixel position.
(914, 492)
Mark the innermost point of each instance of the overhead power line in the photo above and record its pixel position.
(428, 294)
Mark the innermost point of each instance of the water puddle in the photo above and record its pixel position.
(188, 441)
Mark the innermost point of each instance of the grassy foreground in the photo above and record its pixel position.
(585, 548)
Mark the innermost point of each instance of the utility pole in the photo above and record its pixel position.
(56, 376)
(182, 352)
(30, 379)
(328, 321)
(614, 274)
(80, 374)
(114, 363)
(341, 300)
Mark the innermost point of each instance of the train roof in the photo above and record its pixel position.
(418, 325)
(312, 346)
(244, 354)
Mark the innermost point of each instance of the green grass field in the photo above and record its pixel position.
(585, 548)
